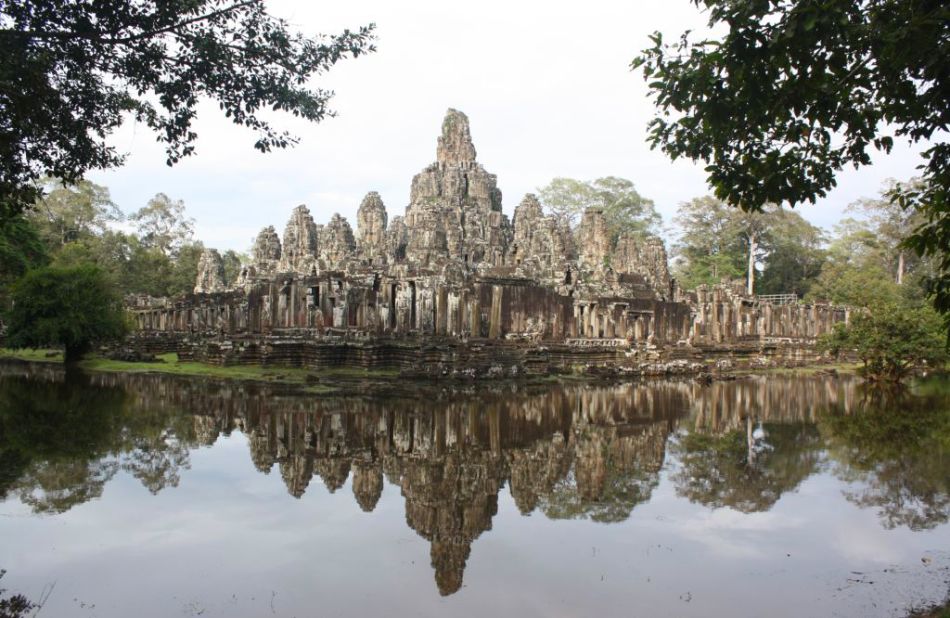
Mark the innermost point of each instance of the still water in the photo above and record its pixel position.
(780, 496)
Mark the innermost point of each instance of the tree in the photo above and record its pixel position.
(718, 242)
(70, 212)
(71, 72)
(893, 225)
(891, 340)
(794, 91)
(20, 250)
(233, 262)
(185, 269)
(73, 307)
(891, 450)
(708, 249)
(162, 224)
(626, 211)
(795, 255)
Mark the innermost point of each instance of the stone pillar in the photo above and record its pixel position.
(495, 318)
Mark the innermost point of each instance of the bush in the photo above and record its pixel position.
(74, 307)
(892, 340)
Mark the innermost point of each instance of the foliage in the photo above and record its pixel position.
(74, 307)
(15, 605)
(894, 449)
(794, 91)
(73, 212)
(233, 262)
(184, 272)
(718, 242)
(794, 255)
(162, 224)
(20, 250)
(892, 340)
(72, 71)
(856, 268)
(708, 249)
(737, 470)
(626, 211)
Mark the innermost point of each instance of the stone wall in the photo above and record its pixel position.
(456, 271)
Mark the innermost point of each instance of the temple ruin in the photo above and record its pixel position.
(455, 286)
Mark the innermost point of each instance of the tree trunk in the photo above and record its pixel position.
(751, 277)
(73, 354)
(900, 268)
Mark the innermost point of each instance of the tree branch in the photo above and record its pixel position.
(34, 34)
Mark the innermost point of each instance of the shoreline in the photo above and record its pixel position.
(334, 380)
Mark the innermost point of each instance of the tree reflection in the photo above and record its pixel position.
(57, 439)
(62, 440)
(896, 447)
(747, 469)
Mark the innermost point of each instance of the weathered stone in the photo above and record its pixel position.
(455, 143)
(455, 205)
(455, 268)
(593, 241)
(371, 221)
(540, 246)
(265, 255)
(645, 257)
(299, 252)
(210, 273)
(336, 242)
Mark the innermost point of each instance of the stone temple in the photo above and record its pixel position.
(454, 286)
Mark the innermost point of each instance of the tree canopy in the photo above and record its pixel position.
(72, 72)
(624, 208)
(73, 307)
(891, 339)
(794, 91)
(718, 242)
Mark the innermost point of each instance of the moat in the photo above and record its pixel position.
(776, 495)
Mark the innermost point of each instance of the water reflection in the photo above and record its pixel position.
(567, 451)
(896, 449)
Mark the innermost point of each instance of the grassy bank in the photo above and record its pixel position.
(33, 356)
(170, 364)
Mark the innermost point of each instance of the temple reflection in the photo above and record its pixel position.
(567, 451)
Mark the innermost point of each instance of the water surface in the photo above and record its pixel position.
(781, 496)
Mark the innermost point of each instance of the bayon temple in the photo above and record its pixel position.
(454, 284)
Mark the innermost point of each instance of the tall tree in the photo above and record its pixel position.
(70, 212)
(708, 250)
(894, 225)
(794, 91)
(162, 224)
(795, 255)
(626, 211)
(71, 71)
(20, 250)
(855, 270)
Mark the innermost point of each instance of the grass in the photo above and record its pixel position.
(806, 370)
(169, 364)
(35, 356)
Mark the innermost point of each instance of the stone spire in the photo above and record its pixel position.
(593, 239)
(300, 242)
(266, 252)
(455, 143)
(210, 273)
(371, 221)
(336, 241)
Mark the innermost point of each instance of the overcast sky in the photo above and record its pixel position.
(546, 85)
